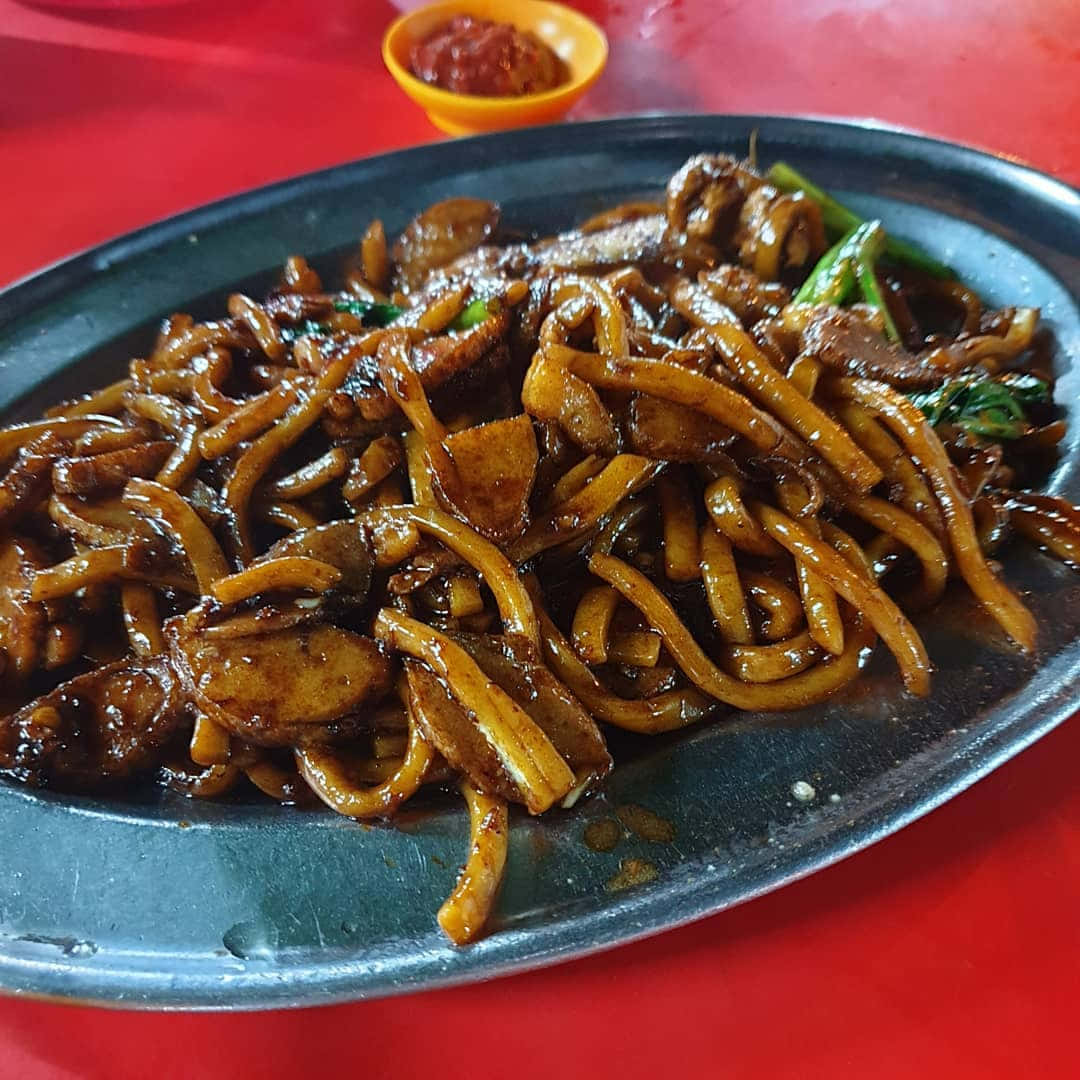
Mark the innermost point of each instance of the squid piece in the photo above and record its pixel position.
(846, 343)
(705, 196)
(13, 438)
(778, 232)
(746, 294)
(134, 561)
(102, 523)
(163, 505)
(27, 482)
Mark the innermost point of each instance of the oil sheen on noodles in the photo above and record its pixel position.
(440, 524)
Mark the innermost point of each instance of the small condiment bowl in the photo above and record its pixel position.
(576, 40)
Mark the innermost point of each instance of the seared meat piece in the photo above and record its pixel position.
(527, 317)
(440, 234)
(103, 726)
(442, 358)
(670, 432)
(27, 481)
(638, 240)
(641, 240)
(843, 341)
(110, 471)
(436, 361)
(22, 621)
(745, 293)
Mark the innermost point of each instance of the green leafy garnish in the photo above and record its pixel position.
(370, 314)
(847, 266)
(839, 219)
(472, 315)
(988, 408)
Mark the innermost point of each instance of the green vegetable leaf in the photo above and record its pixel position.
(472, 315)
(988, 408)
(849, 264)
(369, 313)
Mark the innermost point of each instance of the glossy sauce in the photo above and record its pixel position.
(602, 835)
(631, 872)
(489, 59)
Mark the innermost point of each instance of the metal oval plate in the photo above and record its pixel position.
(177, 903)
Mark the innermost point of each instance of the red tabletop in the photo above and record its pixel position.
(951, 948)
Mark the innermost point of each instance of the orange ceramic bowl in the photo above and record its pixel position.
(576, 40)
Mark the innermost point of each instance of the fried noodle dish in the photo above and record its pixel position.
(446, 524)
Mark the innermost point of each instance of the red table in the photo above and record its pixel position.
(951, 948)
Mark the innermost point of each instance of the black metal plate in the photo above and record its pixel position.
(179, 903)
